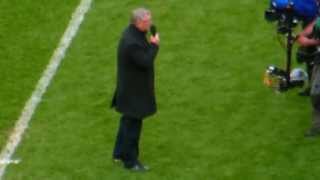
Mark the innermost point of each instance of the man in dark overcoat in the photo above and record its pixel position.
(134, 97)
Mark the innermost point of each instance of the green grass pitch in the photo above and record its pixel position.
(216, 120)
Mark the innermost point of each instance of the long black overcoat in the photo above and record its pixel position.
(135, 95)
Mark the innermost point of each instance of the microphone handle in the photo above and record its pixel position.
(153, 30)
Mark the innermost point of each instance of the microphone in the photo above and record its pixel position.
(153, 30)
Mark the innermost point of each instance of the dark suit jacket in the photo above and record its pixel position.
(134, 95)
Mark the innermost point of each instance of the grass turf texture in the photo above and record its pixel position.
(29, 32)
(216, 120)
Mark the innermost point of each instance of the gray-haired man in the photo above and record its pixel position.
(134, 97)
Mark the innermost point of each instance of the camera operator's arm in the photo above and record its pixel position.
(305, 39)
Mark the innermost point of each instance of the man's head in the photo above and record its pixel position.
(141, 18)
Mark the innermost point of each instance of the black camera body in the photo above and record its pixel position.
(286, 20)
(288, 13)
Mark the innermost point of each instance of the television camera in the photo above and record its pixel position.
(287, 14)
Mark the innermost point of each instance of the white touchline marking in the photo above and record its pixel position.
(2, 162)
(31, 105)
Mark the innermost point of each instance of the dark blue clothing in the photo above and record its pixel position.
(134, 97)
(127, 143)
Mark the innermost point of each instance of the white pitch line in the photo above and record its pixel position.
(31, 105)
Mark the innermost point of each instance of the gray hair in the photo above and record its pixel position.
(138, 14)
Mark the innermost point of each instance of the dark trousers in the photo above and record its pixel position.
(127, 141)
(309, 68)
(316, 112)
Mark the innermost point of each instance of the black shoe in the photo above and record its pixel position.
(138, 167)
(312, 132)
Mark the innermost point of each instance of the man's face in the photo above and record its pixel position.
(145, 23)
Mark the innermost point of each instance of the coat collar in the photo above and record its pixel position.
(134, 29)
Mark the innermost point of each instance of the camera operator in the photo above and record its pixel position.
(309, 38)
(305, 53)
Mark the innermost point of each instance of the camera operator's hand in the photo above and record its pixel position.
(305, 41)
(305, 38)
(155, 39)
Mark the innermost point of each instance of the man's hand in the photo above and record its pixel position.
(155, 39)
(305, 41)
